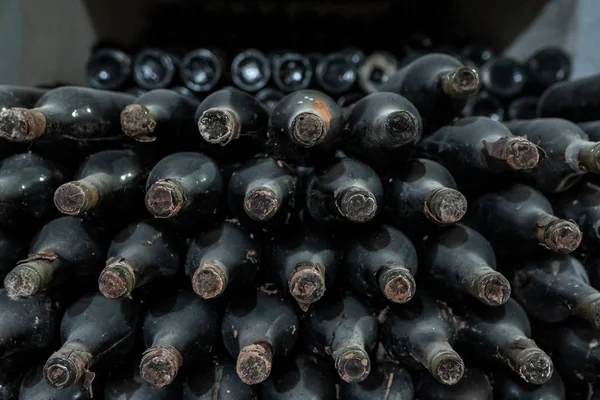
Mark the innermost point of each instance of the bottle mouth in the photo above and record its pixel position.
(308, 129)
(261, 204)
(164, 199)
(445, 206)
(503, 77)
(307, 284)
(493, 289)
(75, 198)
(402, 128)
(254, 363)
(336, 73)
(353, 365)
(159, 365)
(250, 70)
(562, 236)
(108, 69)
(22, 281)
(534, 366)
(153, 69)
(397, 284)
(358, 205)
(447, 367)
(201, 70)
(292, 72)
(462, 83)
(117, 280)
(210, 280)
(219, 126)
(138, 123)
(21, 125)
(376, 70)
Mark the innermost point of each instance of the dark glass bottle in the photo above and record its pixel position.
(292, 72)
(305, 263)
(177, 330)
(35, 387)
(477, 54)
(66, 252)
(70, 112)
(12, 371)
(250, 70)
(504, 77)
(107, 184)
(520, 219)
(201, 70)
(386, 381)
(304, 128)
(27, 184)
(258, 330)
(460, 258)
(218, 380)
(263, 192)
(346, 191)
(379, 128)
(509, 387)
(381, 263)
(161, 114)
(353, 54)
(154, 68)
(522, 108)
(336, 73)
(26, 324)
(437, 84)
(94, 330)
(269, 97)
(548, 66)
(140, 254)
(12, 248)
(581, 205)
(555, 288)
(219, 257)
(108, 69)
(126, 383)
(503, 334)
(575, 100)
(19, 96)
(376, 70)
(421, 334)
(342, 329)
(485, 105)
(304, 377)
(186, 188)
(474, 385)
(569, 152)
(421, 193)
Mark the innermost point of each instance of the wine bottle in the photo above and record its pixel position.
(346, 191)
(474, 385)
(75, 113)
(386, 381)
(27, 325)
(159, 114)
(292, 72)
(581, 205)
(508, 387)
(503, 334)
(305, 262)
(138, 255)
(186, 188)
(66, 251)
(520, 219)
(570, 153)
(263, 192)
(19, 96)
(343, 329)
(35, 387)
(336, 73)
(376, 70)
(484, 105)
(108, 69)
(382, 263)
(556, 287)
(575, 100)
(379, 127)
(548, 66)
(94, 330)
(12, 248)
(504, 77)
(477, 54)
(258, 330)
(107, 183)
(304, 377)
(126, 383)
(304, 128)
(218, 380)
(422, 193)
(154, 68)
(421, 334)
(250, 70)
(177, 330)
(522, 108)
(12, 371)
(201, 70)
(219, 257)
(437, 84)
(27, 184)
(460, 258)
(269, 97)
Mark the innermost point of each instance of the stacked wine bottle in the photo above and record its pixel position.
(163, 247)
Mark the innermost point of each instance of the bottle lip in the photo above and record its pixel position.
(378, 59)
(292, 57)
(211, 58)
(337, 87)
(264, 66)
(124, 61)
(164, 58)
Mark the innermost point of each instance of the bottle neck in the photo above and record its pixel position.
(589, 156)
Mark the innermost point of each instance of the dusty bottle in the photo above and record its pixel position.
(177, 330)
(508, 387)
(520, 219)
(575, 100)
(485, 105)
(582, 205)
(217, 380)
(12, 248)
(381, 263)
(186, 188)
(154, 68)
(343, 329)
(126, 383)
(12, 371)
(292, 72)
(346, 191)
(421, 194)
(386, 381)
(35, 387)
(379, 127)
(108, 69)
(376, 70)
(93, 330)
(250, 70)
(474, 385)
(304, 128)
(522, 108)
(421, 334)
(75, 113)
(19, 96)
(66, 251)
(259, 330)
(461, 259)
(138, 255)
(504, 77)
(336, 73)
(220, 257)
(304, 377)
(437, 84)
(160, 114)
(503, 334)
(201, 70)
